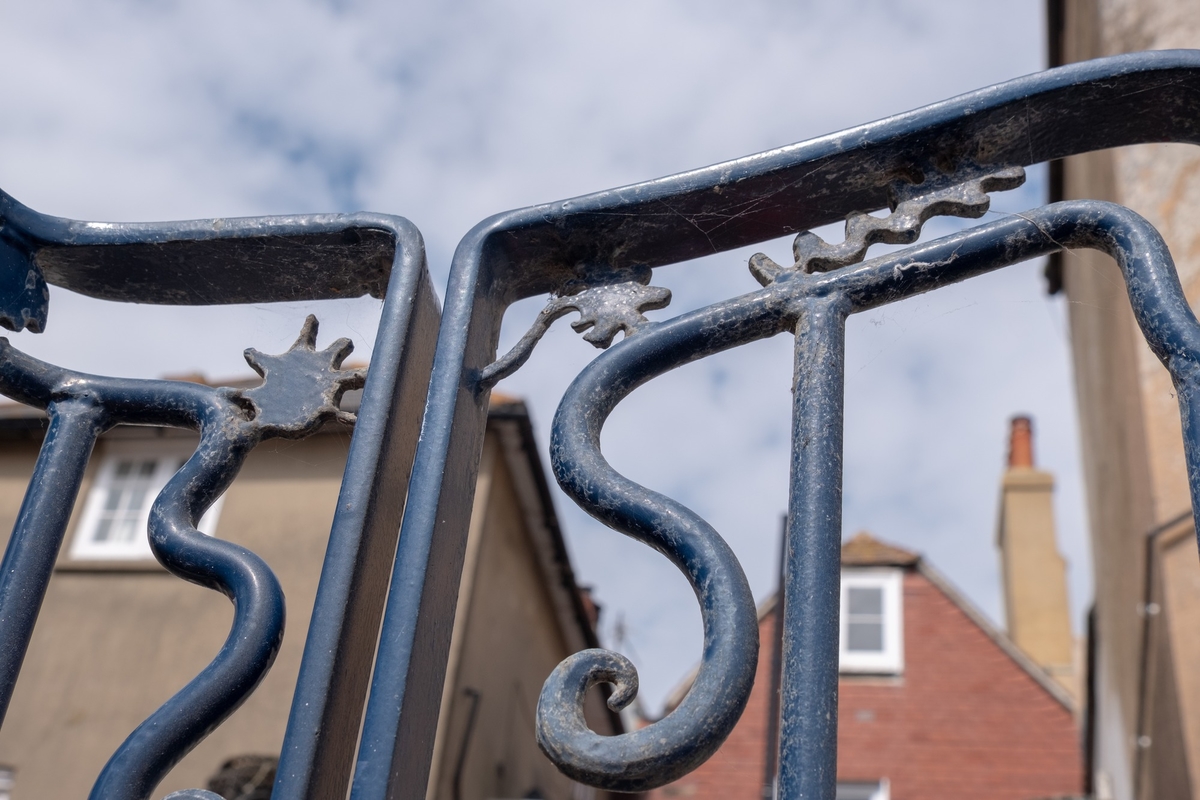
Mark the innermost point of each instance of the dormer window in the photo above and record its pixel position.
(117, 509)
(872, 635)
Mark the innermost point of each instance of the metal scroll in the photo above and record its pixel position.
(205, 262)
(397, 555)
(597, 255)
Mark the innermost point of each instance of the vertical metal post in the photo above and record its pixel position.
(38, 533)
(414, 643)
(812, 575)
(317, 758)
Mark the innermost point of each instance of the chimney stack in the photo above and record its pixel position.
(1035, 575)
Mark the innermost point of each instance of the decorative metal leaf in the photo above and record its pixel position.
(607, 310)
(608, 303)
(302, 387)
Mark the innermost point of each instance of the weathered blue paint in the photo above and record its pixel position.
(227, 261)
(300, 391)
(594, 255)
(318, 749)
(815, 306)
(566, 247)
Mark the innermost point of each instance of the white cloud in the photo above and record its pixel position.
(449, 112)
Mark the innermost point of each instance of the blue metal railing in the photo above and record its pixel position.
(611, 239)
(309, 257)
(423, 412)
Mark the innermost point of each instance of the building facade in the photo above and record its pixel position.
(118, 635)
(934, 701)
(1146, 710)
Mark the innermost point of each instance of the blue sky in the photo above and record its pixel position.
(449, 112)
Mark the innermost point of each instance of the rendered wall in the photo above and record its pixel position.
(112, 645)
(1132, 445)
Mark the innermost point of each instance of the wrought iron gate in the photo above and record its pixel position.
(423, 412)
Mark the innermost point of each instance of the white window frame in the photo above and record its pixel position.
(853, 789)
(168, 454)
(889, 661)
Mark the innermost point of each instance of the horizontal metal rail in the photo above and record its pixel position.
(257, 260)
(594, 254)
(396, 548)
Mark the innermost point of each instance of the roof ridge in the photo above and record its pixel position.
(863, 550)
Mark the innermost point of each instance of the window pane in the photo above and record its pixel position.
(118, 505)
(125, 529)
(858, 791)
(137, 499)
(864, 636)
(865, 600)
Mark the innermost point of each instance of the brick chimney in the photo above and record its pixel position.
(1034, 573)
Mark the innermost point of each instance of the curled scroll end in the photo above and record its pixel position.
(562, 730)
(634, 761)
(625, 690)
(566, 688)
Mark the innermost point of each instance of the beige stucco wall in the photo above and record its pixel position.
(113, 644)
(504, 665)
(110, 647)
(1177, 610)
(1133, 454)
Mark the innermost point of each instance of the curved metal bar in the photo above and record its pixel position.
(38, 532)
(685, 738)
(676, 744)
(300, 257)
(1109, 102)
(247, 260)
(255, 636)
(318, 752)
(311, 257)
(228, 433)
(301, 389)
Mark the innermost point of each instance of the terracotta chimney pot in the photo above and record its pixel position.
(1020, 443)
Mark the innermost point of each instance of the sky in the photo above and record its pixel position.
(449, 112)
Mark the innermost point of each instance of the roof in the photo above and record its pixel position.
(864, 550)
(999, 637)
